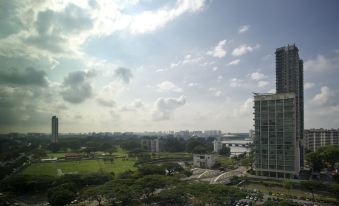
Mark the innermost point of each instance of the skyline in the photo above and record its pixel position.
(159, 65)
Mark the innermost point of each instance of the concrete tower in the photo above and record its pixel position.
(290, 78)
(55, 129)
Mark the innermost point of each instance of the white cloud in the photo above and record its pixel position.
(133, 106)
(148, 21)
(192, 84)
(219, 50)
(164, 107)
(55, 29)
(215, 69)
(321, 63)
(243, 29)
(236, 82)
(257, 76)
(167, 86)
(322, 97)
(244, 49)
(234, 62)
(218, 93)
(263, 83)
(308, 85)
(244, 109)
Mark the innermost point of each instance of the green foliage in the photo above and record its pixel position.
(204, 193)
(325, 156)
(62, 194)
(151, 169)
(26, 184)
(226, 151)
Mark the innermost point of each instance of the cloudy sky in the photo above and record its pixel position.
(150, 65)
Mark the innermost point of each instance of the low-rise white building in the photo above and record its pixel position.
(204, 160)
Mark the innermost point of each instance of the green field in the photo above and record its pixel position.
(81, 167)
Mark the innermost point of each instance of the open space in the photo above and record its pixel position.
(81, 167)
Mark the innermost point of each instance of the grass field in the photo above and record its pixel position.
(81, 167)
(225, 161)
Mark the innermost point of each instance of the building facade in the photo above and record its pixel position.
(315, 138)
(204, 160)
(151, 144)
(55, 129)
(290, 78)
(277, 152)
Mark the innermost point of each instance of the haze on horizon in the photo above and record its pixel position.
(147, 65)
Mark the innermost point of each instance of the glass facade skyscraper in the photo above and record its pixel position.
(279, 119)
(276, 148)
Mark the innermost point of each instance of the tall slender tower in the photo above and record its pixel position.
(290, 78)
(55, 129)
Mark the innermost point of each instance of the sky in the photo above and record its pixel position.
(156, 65)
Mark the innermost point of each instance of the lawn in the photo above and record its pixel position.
(173, 155)
(225, 161)
(56, 154)
(81, 167)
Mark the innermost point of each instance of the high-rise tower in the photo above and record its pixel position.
(279, 119)
(55, 128)
(290, 78)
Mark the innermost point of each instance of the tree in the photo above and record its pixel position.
(226, 151)
(200, 149)
(150, 183)
(330, 154)
(288, 185)
(61, 195)
(315, 160)
(95, 193)
(311, 186)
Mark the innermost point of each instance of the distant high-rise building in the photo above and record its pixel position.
(275, 145)
(316, 138)
(290, 78)
(55, 129)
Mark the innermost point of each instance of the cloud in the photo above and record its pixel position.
(148, 21)
(164, 107)
(257, 76)
(236, 82)
(243, 29)
(234, 62)
(123, 74)
(54, 29)
(106, 102)
(192, 84)
(167, 86)
(322, 97)
(215, 69)
(218, 93)
(133, 106)
(244, 49)
(76, 88)
(219, 50)
(309, 85)
(321, 63)
(244, 109)
(28, 76)
(263, 83)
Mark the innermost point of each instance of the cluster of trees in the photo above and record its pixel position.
(174, 144)
(324, 157)
(157, 189)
